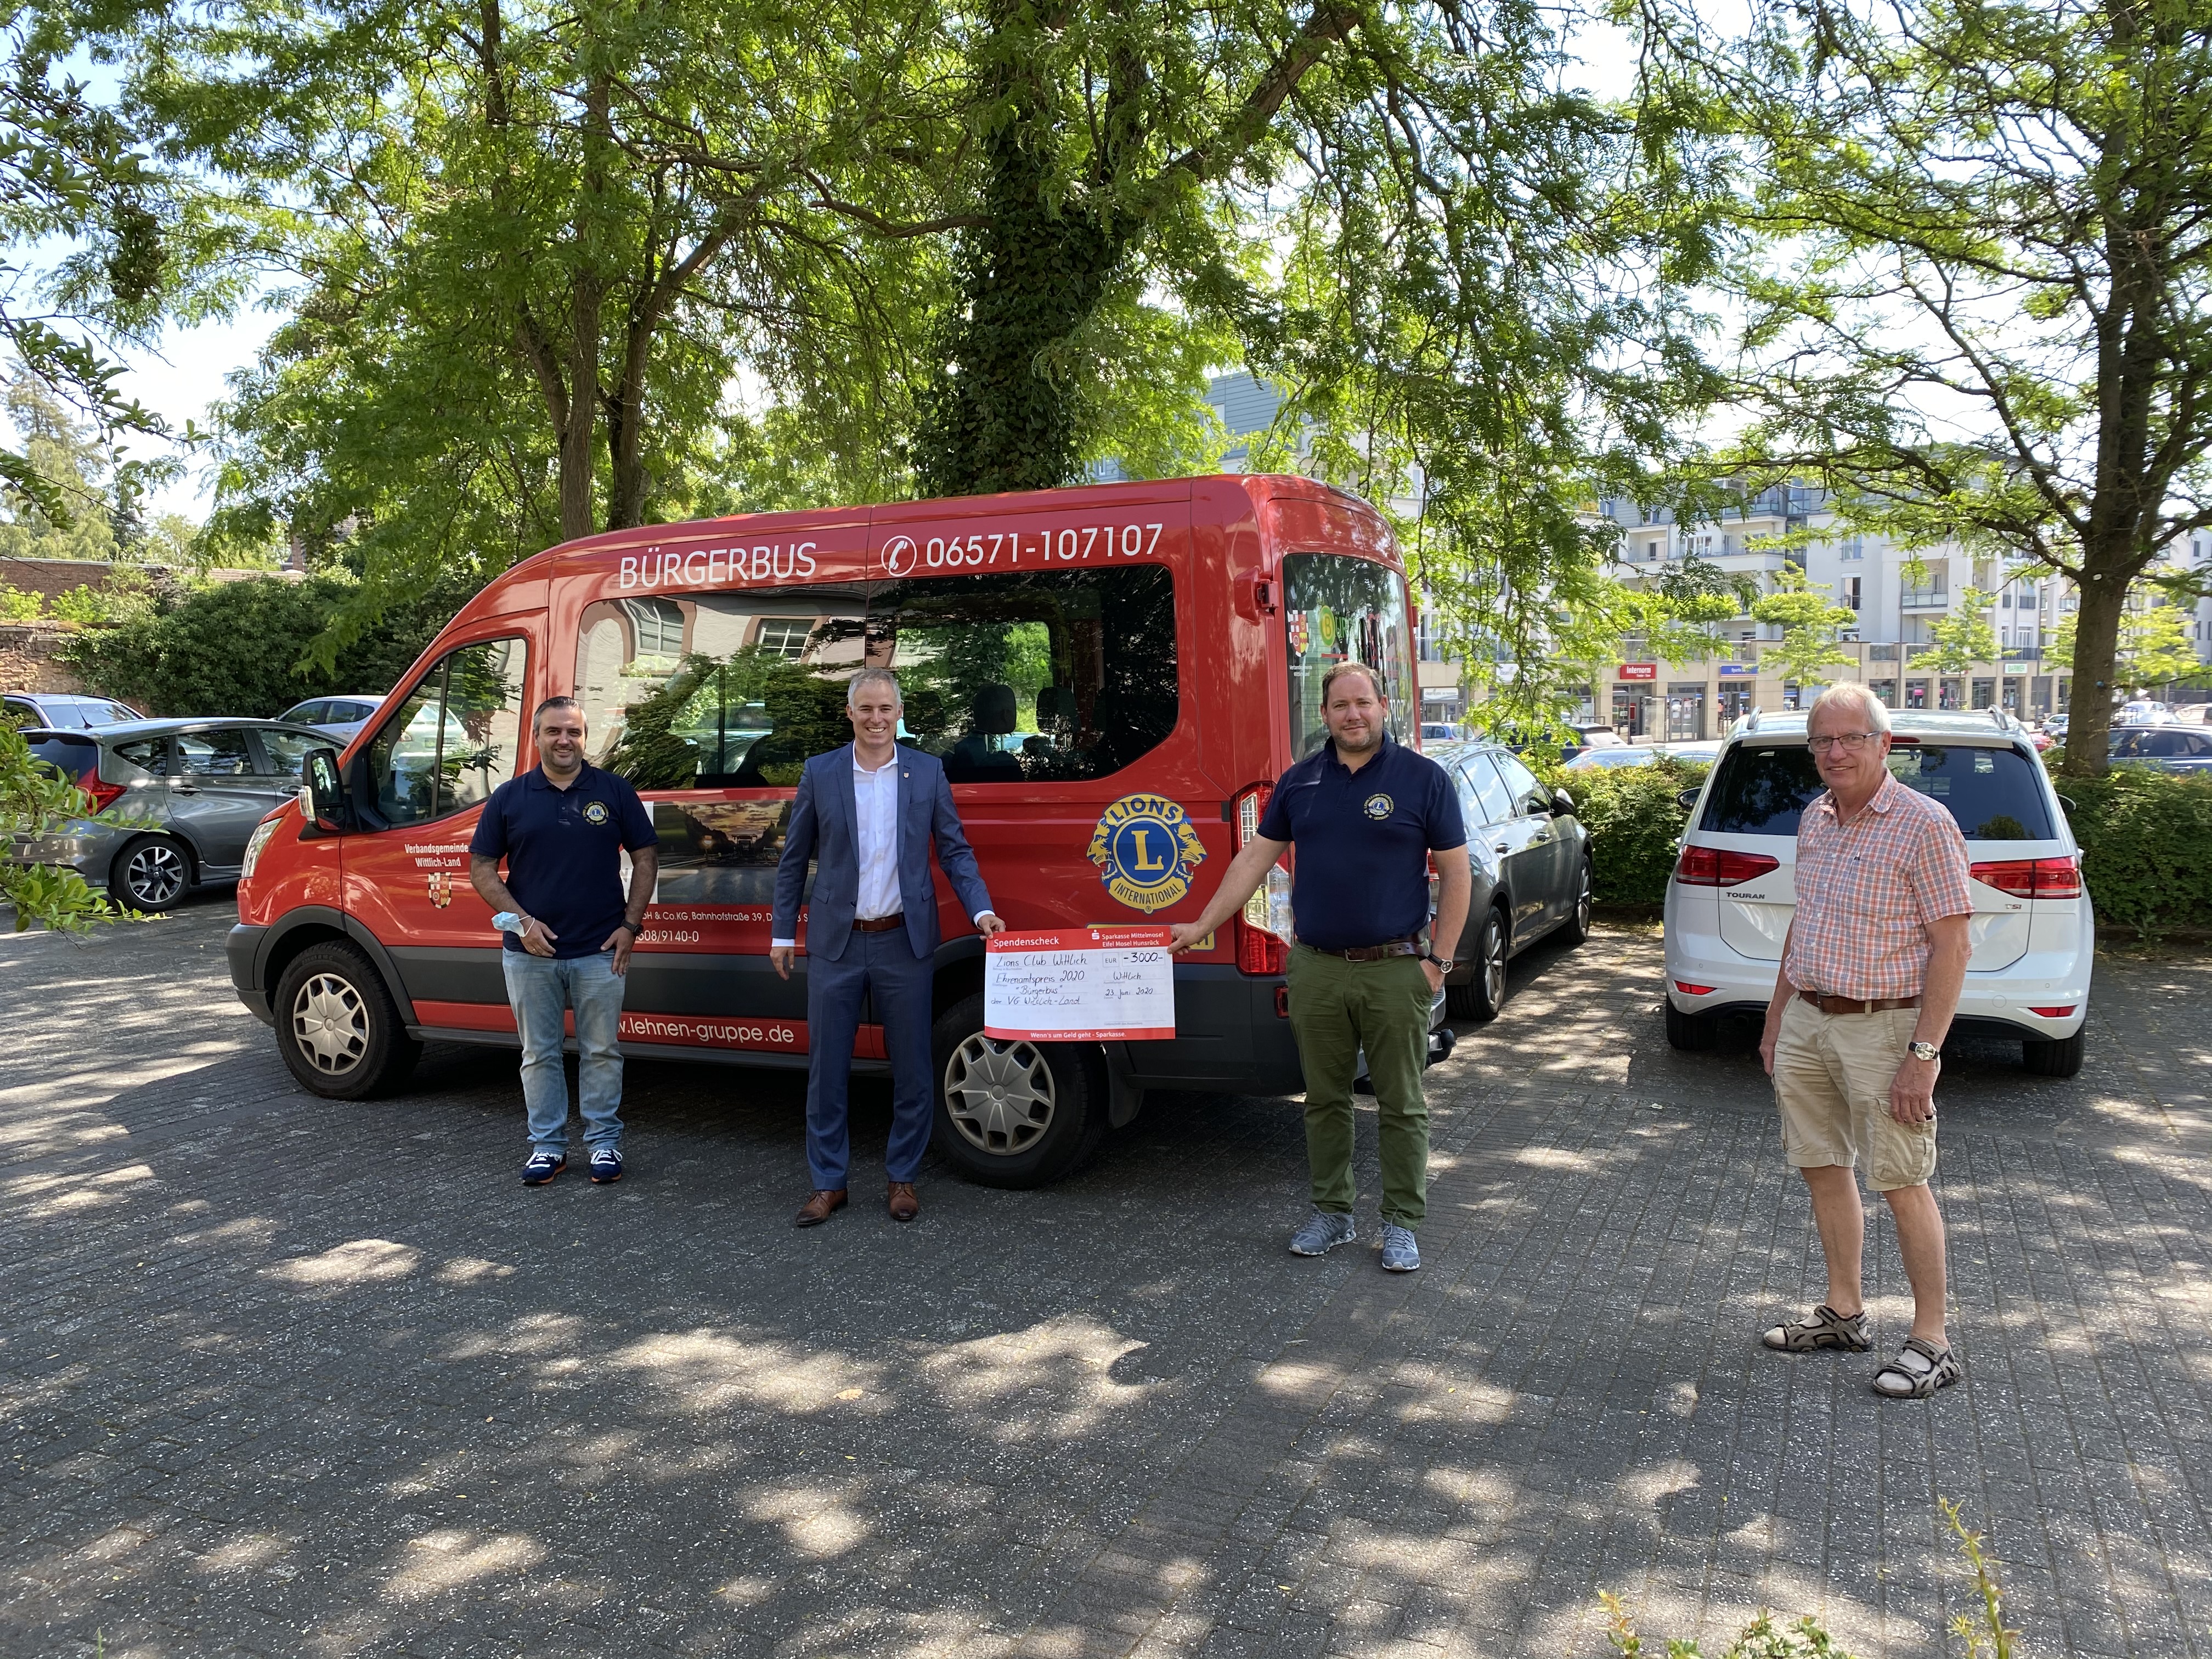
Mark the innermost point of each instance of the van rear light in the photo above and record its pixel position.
(2030, 877)
(1262, 929)
(1690, 990)
(101, 795)
(2054, 1013)
(1720, 866)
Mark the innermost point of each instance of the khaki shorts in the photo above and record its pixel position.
(1832, 1078)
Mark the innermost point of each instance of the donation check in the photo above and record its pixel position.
(1078, 985)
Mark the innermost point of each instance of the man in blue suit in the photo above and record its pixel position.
(867, 814)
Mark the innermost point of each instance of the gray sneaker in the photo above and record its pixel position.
(1401, 1254)
(1322, 1233)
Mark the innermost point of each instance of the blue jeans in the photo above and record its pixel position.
(541, 989)
(882, 966)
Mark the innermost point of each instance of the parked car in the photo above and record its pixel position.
(1439, 731)
(2194, 714)
(1602, 736)
(1730, 899)
(1531, 861)
(190, 792)
(2173, 748)
(2054, 725)
(57, 711)
(2143, 711)
(339, 717)
(1644, 754)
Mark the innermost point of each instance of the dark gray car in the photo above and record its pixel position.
(179, 799)
(1531, 862)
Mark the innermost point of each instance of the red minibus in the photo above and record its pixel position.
(1112, 677)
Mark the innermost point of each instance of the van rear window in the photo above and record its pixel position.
(1993, 794)
(1009, 676)
(73, 757)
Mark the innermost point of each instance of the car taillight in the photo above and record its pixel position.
(2030, 878)
(1720, 866)
(1690, 990)
(2054, 1013)
(1262, 929)
(101, 795)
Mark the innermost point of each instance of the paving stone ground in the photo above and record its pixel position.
(282, 1376)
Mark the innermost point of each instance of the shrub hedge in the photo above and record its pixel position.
(2146, 839)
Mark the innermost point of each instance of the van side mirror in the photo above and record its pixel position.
(324, 796)
(1687, 800)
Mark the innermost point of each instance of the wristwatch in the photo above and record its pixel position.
(1437, 962)
(636, 928)
(1923, 1050)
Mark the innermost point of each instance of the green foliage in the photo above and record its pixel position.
(18, 605)
(1810, 624)
(1964, 637)
(248, 647)
(1977, 274)
(2146, 840)
(1988, 1634)
(1634, 821)
(33, 798)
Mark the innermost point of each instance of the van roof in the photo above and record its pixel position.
(1983, 724)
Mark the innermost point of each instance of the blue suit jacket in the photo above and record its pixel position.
(825, 827)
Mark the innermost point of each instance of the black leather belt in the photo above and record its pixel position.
(1389, 947)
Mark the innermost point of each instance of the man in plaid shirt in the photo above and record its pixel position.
(1870, 976)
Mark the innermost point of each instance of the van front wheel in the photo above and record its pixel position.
(337, 1026)
(1014, 1114)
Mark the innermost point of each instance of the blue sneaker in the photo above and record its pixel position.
(543, 1166)
(607, 1165)
(1401, 1254)
(1322, 1233)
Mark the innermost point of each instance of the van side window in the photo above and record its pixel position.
(1011, 676)
(454, 739)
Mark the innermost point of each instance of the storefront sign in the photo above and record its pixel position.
(1731, 671)
(2020, 668)
(1639, 671)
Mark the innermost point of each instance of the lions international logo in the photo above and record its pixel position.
(596, 813)
(1376, 807)
(1145, 850)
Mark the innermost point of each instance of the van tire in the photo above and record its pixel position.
(1483, 994)
(1005, 1153)
(2060, 1057)
(151, 872)
(364, 1049)
(1691, 1032)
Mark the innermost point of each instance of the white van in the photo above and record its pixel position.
(1730, 898)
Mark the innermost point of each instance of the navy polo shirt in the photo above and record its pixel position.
(1363, 840)
(564, 848)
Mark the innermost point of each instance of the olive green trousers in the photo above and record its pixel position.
(1338, 1008)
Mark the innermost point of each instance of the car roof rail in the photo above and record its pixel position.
(1750, 722)
(2004, 721)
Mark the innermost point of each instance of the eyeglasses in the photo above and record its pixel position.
(1849, 742)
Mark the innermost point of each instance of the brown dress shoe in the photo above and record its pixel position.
(901, 1202)
(819, 1209)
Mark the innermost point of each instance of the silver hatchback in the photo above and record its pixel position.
(178, 800)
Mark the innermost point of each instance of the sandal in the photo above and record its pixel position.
(1918, 1370)
(1827, 1328)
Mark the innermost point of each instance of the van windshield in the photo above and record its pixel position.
(1010, 677)
(1993, 794)
(1341, 609)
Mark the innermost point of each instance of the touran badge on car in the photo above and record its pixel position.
(1145, 849)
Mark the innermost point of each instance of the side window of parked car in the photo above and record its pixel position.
(454, 738)
(147, 754)
(288, 752)
(215, 754)
(1529, 797)
(1483, 795)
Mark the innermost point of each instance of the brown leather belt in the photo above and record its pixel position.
(881, 924)
(1389, 947)
(1857, 1005)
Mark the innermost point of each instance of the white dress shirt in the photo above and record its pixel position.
(876, 827)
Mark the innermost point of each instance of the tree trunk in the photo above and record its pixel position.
(587, 306)
(2103, 595)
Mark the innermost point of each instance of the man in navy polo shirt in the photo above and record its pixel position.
(1366, 815)
(562, 828)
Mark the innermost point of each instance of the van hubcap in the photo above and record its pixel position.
(1000, 1095)
(330, 1024)
(155, 875)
